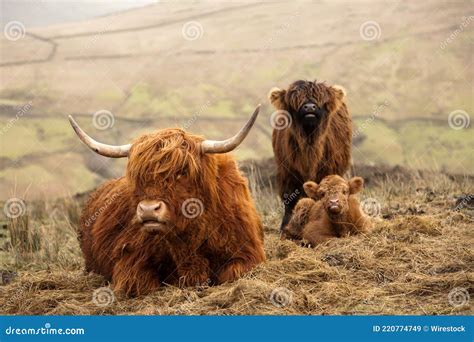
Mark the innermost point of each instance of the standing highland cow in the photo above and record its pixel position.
(182, 214)
(315, 138)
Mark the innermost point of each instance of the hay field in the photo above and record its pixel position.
(417, 260)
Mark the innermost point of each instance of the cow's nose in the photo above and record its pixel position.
(149, 207)
(309, 107)
(334, 201)
(150, 210)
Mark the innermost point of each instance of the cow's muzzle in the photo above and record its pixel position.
(334, 206)
(153, 215)
(308, 108)
(309, 111)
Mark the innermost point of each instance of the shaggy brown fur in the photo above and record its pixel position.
(312, 147)
(331, 211)
(219, 245)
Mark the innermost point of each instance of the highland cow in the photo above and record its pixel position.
(182, 214)
(332, 210)
(312, 137)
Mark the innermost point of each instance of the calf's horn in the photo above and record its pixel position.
(223, 146)
(99, 148)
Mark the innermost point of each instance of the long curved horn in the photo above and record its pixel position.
(99, 148)
(224, 146)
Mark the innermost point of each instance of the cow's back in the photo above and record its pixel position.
(238, 228)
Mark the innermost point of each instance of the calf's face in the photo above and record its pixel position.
(334, 192)
(309, 103)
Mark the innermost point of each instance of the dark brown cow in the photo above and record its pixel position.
(332, 210)
(182, 214)
(315, 142)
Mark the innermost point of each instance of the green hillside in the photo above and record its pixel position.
(205, 67)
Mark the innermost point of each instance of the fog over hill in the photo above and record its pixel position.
(407, 68)
(35, 14)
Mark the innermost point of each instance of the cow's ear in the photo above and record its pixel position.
(338, 95)
(277, 98)
(356, 184)
(311, 189)
(340, 92)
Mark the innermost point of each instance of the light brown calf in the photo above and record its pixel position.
(332, 210)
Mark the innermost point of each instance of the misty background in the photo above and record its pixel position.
(124, 68)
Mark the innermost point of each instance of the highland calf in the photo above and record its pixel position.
(331, 211)
(182, 214)
(314, 140)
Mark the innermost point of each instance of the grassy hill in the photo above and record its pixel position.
(204, 66)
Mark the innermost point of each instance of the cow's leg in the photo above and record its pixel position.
(286, 217)
(299, 219)
(193, 270)
(234, 269)
(290, 198)
(134, 276)
(290, 186)
(317, 232)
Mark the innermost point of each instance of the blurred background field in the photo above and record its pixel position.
(204, 66)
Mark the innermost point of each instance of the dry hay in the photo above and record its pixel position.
(419, 251)
(408, 265)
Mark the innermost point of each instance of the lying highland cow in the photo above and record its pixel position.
(312, 137)
(331, 211)
(182, 214)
